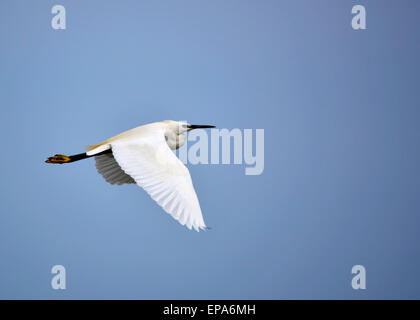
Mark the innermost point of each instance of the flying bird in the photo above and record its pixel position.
(143, 156)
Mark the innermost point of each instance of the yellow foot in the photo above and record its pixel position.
(58, 158)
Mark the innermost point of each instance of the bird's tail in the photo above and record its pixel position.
(94, 146)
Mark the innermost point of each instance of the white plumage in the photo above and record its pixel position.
(143, 155)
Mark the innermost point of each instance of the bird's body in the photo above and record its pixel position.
(143, 156)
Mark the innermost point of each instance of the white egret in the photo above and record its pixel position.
(143, 156)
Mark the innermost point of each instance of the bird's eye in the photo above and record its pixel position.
(185, 126)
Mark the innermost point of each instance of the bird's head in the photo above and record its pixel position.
(179, 127)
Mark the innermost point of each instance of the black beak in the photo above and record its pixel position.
(199, 126)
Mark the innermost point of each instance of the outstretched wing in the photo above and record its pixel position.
(155, 168)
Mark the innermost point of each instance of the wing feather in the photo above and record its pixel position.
(110, 170)
(156, 169)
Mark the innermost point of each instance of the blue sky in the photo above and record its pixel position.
(340, 110)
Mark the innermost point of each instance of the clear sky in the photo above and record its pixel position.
(340, 110)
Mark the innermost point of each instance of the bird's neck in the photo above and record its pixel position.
(175, 141)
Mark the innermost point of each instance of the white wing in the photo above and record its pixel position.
(155, 168)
